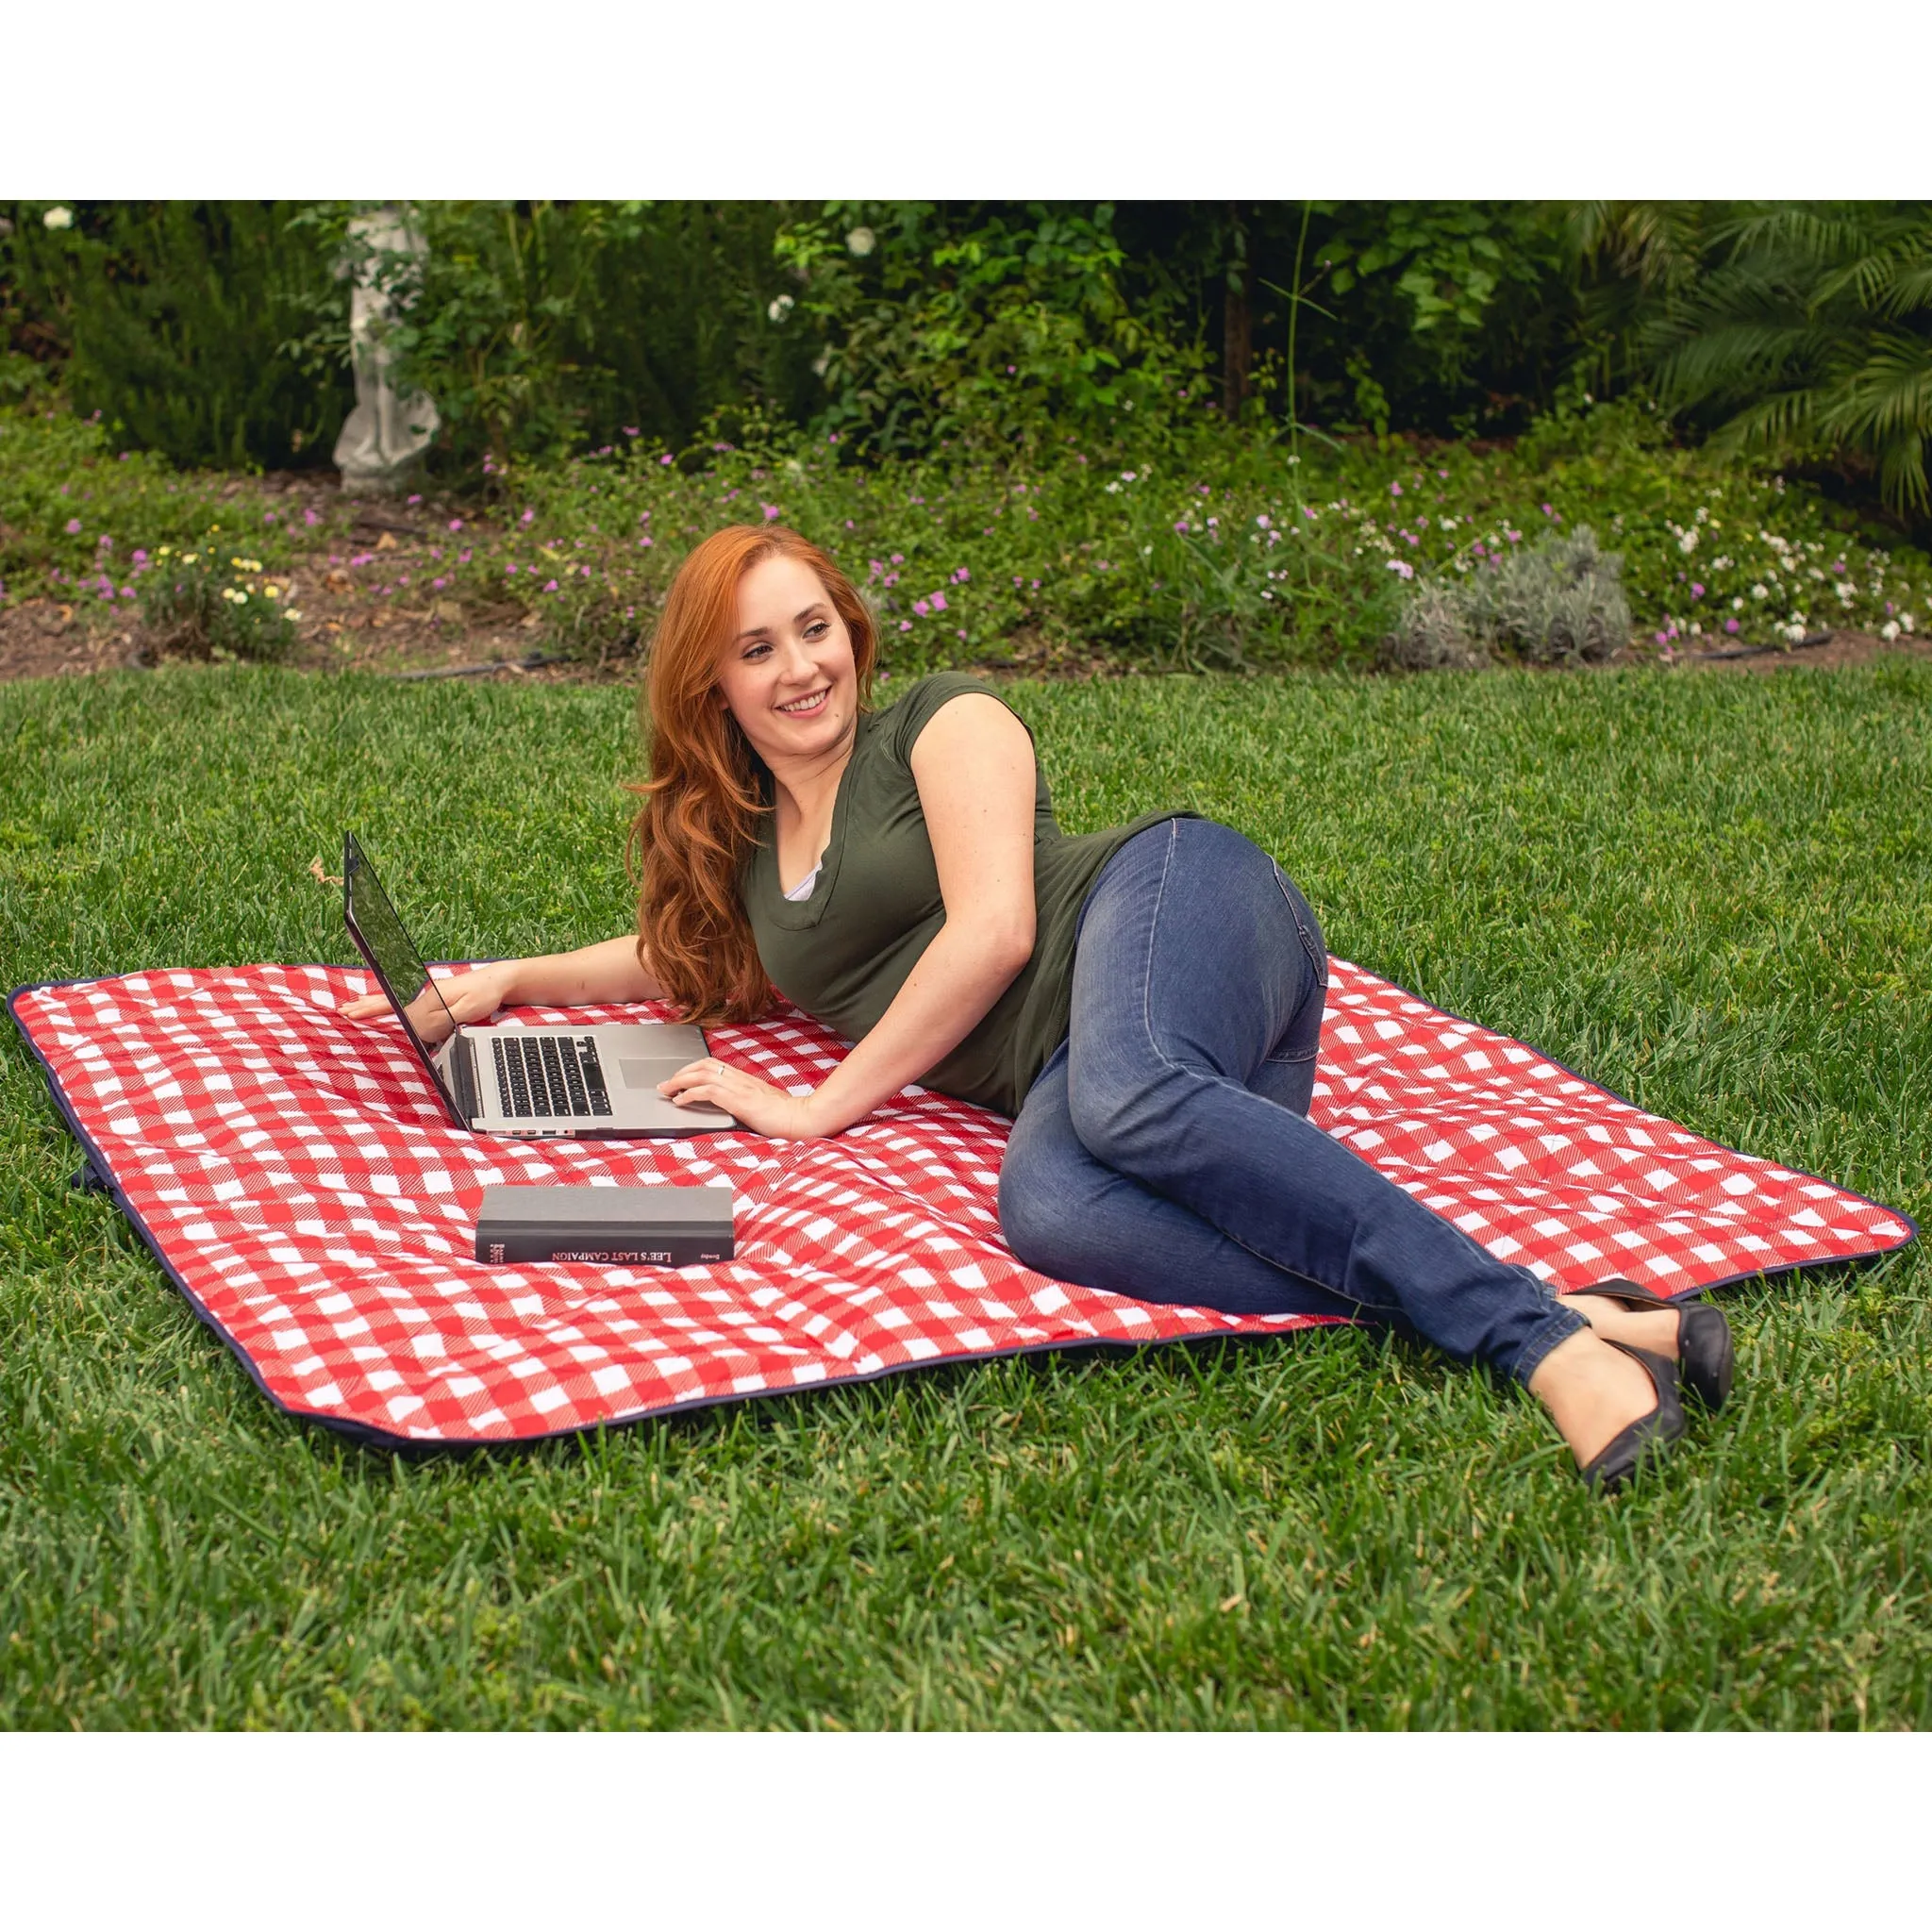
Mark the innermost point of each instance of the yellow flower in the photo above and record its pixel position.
(269, 591)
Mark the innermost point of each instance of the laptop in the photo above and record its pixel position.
(526, 1082)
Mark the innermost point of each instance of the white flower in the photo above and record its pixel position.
(1846, 592)
(1688, 542)
(1737, 603)
(1904, 617)
(1759, 591)
(861, 240)
(291, 615)
(779, 308)
(1796, 632)
(59, 218)
(1888, 632)
(1721, 563)
(822, 362)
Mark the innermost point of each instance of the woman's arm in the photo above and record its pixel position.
(606, 973)
(974, 766)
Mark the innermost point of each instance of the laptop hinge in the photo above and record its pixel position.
(462, 1070)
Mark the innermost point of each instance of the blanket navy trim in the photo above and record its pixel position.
(97, 1175)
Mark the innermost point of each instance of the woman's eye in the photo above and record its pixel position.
(818, 630)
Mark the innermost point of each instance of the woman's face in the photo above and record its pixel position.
(788, 675)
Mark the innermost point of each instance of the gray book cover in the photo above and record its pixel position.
(659, 1225)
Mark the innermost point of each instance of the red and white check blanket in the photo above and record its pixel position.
(301, 1184)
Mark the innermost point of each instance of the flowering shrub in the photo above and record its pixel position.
(206, 602)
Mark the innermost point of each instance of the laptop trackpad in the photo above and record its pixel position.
(647, 1073)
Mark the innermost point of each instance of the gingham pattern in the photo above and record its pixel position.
(298, 1179)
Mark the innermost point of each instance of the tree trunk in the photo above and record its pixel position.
(1238, 319)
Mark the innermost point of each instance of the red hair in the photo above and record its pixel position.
(705, 796)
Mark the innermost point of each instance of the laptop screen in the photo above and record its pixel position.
(389, 949)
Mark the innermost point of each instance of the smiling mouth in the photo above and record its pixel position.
(800, 707)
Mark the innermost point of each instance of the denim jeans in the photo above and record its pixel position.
(1165, 1150)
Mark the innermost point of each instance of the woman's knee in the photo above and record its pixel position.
(1036, 1219)
(1129, 1127)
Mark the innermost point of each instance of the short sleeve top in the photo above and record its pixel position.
(842, 953)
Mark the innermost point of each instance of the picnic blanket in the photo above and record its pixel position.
(302, 1186)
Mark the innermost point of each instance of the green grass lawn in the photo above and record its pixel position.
(1709, 892)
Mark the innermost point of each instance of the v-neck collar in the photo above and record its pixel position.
(801, 915)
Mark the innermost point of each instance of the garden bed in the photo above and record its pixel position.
(1228, 551)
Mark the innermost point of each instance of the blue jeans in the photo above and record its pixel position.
(1165, 1150)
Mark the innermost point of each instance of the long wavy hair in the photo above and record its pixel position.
(707, 789)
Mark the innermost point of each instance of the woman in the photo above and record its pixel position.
(1146, 1002)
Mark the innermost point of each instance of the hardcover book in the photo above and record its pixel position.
(652, 1227)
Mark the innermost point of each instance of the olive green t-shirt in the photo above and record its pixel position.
(842, 954)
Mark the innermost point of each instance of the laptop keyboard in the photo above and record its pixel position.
(546, 1073)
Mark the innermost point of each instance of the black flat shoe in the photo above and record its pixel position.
(1706, 1355)
(1617, 1462)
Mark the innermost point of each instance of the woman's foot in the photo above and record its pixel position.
(1655, 1329)
(1692, 1333)
(1592, 1392)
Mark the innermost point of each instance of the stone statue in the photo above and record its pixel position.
(387, 432)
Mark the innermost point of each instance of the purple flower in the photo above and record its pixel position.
(962, 575)
(1403, 570)
(629, 431)
(665, 461)
(938, 600)
(551, 585)
(309, 518)
(1395, 490)
(896, 558)
(106, 543)
(529, 516)
(509, 570)
(455, 523)
(415, 500)
(904, 623)
(1697, 589)
(920, 607)
(1731, 625)
(771, 511)
(439, 583)
(140, 556)
(74, 527)
(462, 556)
(643, 543)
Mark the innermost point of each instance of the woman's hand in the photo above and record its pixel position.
(757, 1104)
(471, 997)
